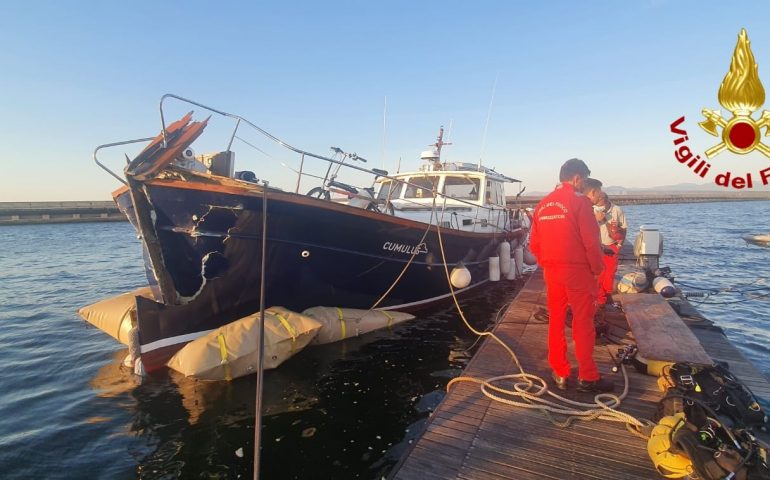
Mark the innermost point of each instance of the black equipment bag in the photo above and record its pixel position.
(720, 414)
(716, 388)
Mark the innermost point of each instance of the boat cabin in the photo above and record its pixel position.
(468, 197)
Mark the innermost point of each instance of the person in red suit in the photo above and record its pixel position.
(565, 239)
(613, 227)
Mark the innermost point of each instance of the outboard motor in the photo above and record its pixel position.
(648, 247)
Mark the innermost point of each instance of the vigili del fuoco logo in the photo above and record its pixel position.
(741, 93)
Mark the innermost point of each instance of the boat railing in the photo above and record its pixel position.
(239, 120)
(116, 144)
(303, 153)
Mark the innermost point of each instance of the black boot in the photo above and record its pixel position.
(602, 385)
(561, 382)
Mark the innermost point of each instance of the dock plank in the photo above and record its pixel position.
(471, 437)
(659, 332)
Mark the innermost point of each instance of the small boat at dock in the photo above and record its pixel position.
(384, 246)
(759, 239)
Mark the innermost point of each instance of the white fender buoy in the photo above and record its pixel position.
(664, 287)
(513, 273)
(504, 253)
(518, 256)
(529, 258)
(460, 276)
(494, 269)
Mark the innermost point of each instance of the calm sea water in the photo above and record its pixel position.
(347, 410)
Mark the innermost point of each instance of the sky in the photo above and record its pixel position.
(523, 86)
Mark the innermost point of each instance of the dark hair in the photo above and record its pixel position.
(592, 184)
(572, 167)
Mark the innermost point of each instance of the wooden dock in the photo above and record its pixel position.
(471, 437)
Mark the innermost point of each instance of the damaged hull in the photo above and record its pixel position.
(208, 235)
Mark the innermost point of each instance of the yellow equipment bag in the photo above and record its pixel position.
(668, 464)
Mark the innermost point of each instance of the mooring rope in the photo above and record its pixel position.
(409, 262)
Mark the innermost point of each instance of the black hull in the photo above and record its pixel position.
(318, 253)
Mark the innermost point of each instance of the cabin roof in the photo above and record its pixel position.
(459, 169)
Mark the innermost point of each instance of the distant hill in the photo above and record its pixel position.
(676, 188)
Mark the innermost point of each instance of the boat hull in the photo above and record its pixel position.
(318, 254)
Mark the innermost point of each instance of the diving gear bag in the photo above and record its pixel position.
(716, 388)
(707, 424)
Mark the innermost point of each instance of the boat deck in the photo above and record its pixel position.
(470, 436)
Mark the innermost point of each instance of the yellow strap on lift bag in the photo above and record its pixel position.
(289, 329)
(223, 354)
(390, 318)
(232, 350)
(343, 327)
(341, 323)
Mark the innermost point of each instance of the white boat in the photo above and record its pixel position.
(759, 239)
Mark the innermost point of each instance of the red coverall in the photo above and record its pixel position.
(565, 239)
(614, 233)
(607, 278)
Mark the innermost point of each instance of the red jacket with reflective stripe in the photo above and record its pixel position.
(565, 231)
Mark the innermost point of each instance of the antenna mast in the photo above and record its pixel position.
(489, 114)
(384, 129)
(433, 156)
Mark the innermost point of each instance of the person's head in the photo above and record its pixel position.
(574, 171)
(592, 188)
(603, 200)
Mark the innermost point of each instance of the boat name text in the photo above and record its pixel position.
(408, 249)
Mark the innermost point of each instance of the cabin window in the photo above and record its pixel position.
(494, 193)
(464, 188)
(421, 187)
(385, 190)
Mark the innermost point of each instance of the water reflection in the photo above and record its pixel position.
(343, 410)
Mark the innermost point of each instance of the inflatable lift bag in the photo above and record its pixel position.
(113, 315)
(231, 351)
(341, 323)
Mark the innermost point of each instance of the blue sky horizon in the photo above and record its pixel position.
(601, 81)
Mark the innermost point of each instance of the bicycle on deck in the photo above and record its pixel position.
(357, 197)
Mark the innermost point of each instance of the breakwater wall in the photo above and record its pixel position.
(21, 213)
(662, 197)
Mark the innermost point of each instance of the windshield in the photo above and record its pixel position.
(385, 190)
(464, 188)
(421, 187)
